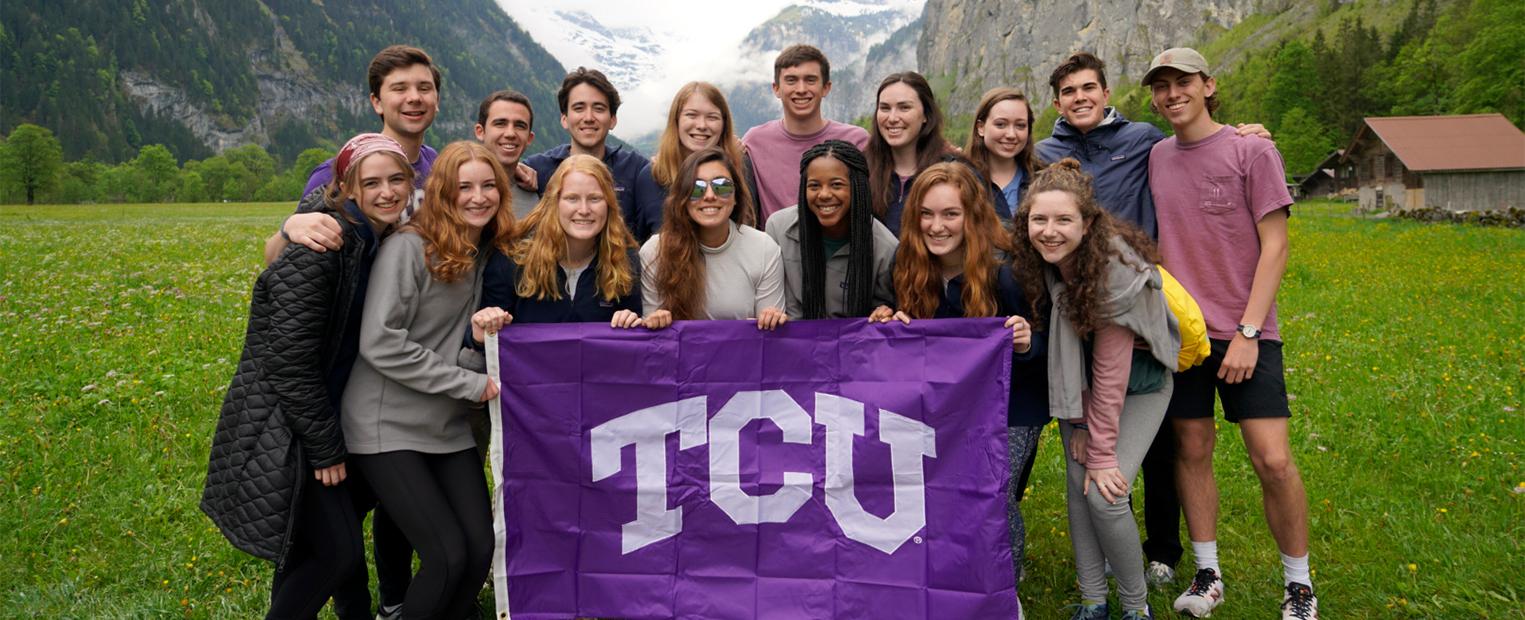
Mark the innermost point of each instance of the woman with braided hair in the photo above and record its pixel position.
(838, 259)
(947, 267)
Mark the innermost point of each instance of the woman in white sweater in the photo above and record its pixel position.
(704, 264)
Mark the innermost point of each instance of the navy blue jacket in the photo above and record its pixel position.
(500, 283)
(998, 199)
(640, 198)
(1028, 403)
(1116, 155)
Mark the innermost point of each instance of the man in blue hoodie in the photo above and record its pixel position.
(589, 108)
(1110, 148)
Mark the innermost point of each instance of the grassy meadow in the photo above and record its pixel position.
(1405, 352)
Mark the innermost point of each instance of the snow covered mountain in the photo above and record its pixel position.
(650, 49)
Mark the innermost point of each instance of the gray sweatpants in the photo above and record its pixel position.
(1100, 531)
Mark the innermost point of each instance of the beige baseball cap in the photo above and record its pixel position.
(1184, 59)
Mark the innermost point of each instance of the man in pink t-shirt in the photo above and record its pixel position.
(801, 79)
(1222, 204)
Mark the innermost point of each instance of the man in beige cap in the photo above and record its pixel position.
(1222, 204)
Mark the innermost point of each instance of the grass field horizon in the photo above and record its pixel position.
(1405, 361)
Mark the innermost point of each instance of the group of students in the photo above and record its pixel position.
(361, 375)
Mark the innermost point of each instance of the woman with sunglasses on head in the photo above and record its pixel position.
(1113, 343)
(838, 260)
(698, 119)
(1001, 148)
(708, 262)
(406, 404)
(947, 267)
(906, 138)
(282, 407)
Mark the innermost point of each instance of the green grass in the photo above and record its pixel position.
(121, 326)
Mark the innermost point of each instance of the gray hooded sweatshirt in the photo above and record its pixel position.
(1134, 299)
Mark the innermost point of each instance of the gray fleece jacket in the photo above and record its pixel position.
(784, 229)
(1134, 299)
(406, 391)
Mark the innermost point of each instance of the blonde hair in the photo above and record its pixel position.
(540, 252)
(670, 150)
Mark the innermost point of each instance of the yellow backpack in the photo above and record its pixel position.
(1194, 345)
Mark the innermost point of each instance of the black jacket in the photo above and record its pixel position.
(278, 422)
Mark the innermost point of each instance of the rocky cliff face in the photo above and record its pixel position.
(967, 47)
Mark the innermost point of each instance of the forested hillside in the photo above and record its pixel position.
(1312, 78)
(109, 77)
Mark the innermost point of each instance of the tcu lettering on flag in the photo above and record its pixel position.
(711, 470)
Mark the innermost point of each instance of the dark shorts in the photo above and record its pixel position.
(1263, 395)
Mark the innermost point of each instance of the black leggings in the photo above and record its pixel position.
(439, 501)
(393, 556)
(326, 551)
(1162, 504)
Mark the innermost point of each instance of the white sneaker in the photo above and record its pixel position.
(1203, 595)
(1299, 603)
(1159, 574)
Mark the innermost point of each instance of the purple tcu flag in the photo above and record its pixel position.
(830, 469)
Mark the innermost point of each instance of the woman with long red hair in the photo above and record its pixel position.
(947, 267)
(405, 406)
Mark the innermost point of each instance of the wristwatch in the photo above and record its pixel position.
(1249, 331)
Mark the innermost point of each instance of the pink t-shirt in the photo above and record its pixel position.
(776, 155)
(1208, 197)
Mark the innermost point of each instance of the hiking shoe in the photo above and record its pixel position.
(1138, 614)
(1299, 603)
(1203, 595)
(1159, 574)
(1098, 611)
(389, 613)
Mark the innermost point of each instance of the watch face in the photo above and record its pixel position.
(1249, 331)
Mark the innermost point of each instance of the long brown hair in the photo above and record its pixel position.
(539, 253)
(975, 149)
(918, 279)
(670, 150)
(447, 249)
(1083, 288)
(930, 145)
(680, 262)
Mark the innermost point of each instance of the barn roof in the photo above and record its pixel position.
(1461, 142)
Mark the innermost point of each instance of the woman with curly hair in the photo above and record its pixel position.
(300, 345)
(838, 259)
(405, 407)
(946, 267)
(1000, 146)
(1112, 345)
(705, 263)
